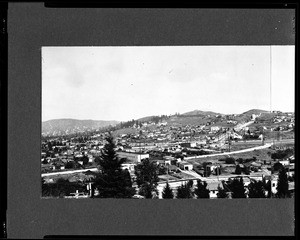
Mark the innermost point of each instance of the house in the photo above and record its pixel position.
(164, 162)
(185, 166)
(213, 188)
(133, 156)
(172, 168)
(292, 187)
(212, 167)
(285, 162)
(46, 167)
(58, 165)
(128, 166)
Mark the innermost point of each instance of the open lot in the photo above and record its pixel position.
(260, 154)
(236, 146)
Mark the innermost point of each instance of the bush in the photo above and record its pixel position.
(229, 160)
(277, 166)
(238, 169)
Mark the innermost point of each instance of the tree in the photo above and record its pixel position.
(146, 177)
(222, 193)
(112, 181)
(207, 170)
(218, 171)
(282, 185)
(256, 189)
(247, 170)
(281, 154)
(45, 161)
(184, 191)
(229, 160)
(167, 192)
(162, 170)
(201, 190)
(85, 160)
(238, 169)
(237, 188)
(146, 190)
(277, 166)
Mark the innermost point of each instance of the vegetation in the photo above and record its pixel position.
(281, 154)
(238, 169)
(277, 166)
(229, 160)
(61, 188)
(201, 190)
(147, 177)
(167, 192)
(237, 188)
(256, 189)
(283, 185)
(222, 193)
(112, 181)
(185, 190)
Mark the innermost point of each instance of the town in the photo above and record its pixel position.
(192, 155)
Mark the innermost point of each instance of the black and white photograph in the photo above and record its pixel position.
(168, 122)
(152, 122)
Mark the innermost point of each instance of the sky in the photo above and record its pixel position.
(124, 83)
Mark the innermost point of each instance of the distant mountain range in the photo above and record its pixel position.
(57, 127)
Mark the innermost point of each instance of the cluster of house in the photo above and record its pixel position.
(287, 118)
(214, 185)
(74, 152)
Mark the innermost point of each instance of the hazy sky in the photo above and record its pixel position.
(124, 83)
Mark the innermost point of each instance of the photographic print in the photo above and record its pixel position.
(168, 122)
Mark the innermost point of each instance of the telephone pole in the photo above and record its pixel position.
(270, 79)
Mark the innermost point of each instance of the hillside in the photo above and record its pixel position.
(255, 111)
(145, 119)
(57, 127)
(200, 113)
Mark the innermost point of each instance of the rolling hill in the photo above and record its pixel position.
(58, 127)
(255, 111)
(200, 113)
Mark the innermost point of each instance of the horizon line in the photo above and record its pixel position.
(85, 119)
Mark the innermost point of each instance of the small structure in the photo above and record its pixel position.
(164, 162)
(285, 162)
(133, 156)
(128, 166)
(213, 188)
(185, 166)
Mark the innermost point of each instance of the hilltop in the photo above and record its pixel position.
(255, 111)
(201, 113)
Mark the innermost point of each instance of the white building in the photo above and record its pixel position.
(185, 166)
(214, 128)
(128, 166)
(133, 156)
(213, 188)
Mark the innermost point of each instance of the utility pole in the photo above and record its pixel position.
(229, 142)
(270, 79)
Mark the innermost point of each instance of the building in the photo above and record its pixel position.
(164, 162)
(133, 156)
(213, 188)
(185, 166)
(214, 129)
(128, 166)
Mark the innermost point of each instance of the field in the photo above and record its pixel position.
(282, 135)
(236, 146)
(183, 121)
(262, 154)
